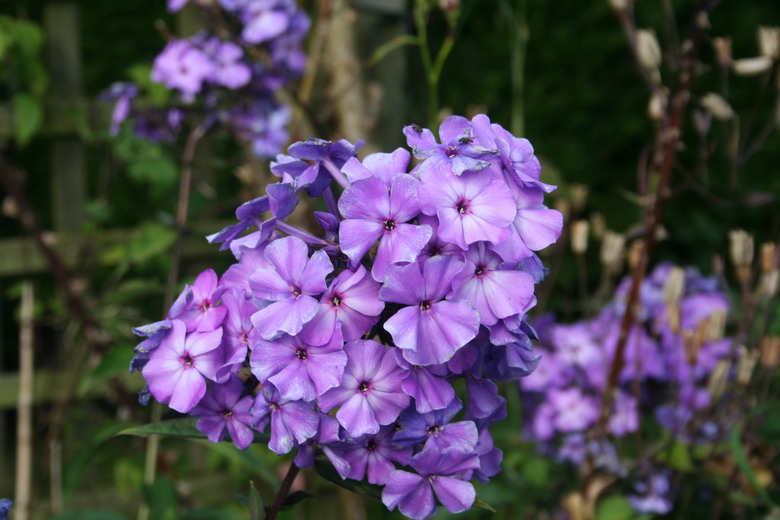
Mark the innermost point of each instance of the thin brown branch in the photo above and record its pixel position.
(284, 490)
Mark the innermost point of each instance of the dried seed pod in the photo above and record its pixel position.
(751, 66)
(770, 352)
(741, 247)
(635, 252)
(674, 286)
(612, 251)
(769, 42)
(648, 50)
(716, 326)
(723, 51)
(747, 362)
(719, 378)
(579, 236)
(717, 106)
(768, 257)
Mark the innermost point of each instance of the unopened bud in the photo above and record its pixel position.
(674, 286)
(768, 257)
(717, 106)
(635, 252)
(722, 51)
(716, 325)
(746, 365)
(741, 247)
(769, 283)
(612, 251)
(752, 66)
(449, 5)
(656, 107)
(769, 42)
(598, 224)
(770, 351)
(579, 194)
(718, 380)
(579, 236)
(648, 50)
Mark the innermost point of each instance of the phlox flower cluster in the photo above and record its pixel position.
(225, 74)
(377, 341)
(673, 353)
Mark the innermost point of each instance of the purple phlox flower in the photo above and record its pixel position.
(471, 208)
(573, 410)
(519, 163)
(329, 223)
(484, 405)
(624, 417)
(435, 246)
(329, 441)
(435, 429)
(373, 456)
(492, 287)
(351, 300)
(573, 448)
(248, 215)
(510, 362)
(533, 266)
(299, 370)
(154, 334)
(327, 157)
(465, 358)
(233, 5)
(237, 329)
(430, 330)
(263, 21)
(700, 307)
(226, 408)
(535, 226)
(182, 66)
(372, 213)
(552, 373)
(438, 472)
(158, 125)
(237, 276)
(269, 132)
(123, 93)
(292, 422)
(5, 507)
(370, 394)
(177, 370)
(490, 457)
(576, 346)
(204, 312)
(508, 330)
(384, 166)
(425, 384)
(291, 281)
(457, 152)
(542, 425)
(286, 49)
(176, 5)
(282, 199)
(229, 69)
(652, 495)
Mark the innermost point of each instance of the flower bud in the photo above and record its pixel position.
(746, 365)
(768, 257)
(752, 66)
(770, 352)
(719, 379)
(612, 251)
(656, 107)
(741, 247)
(579, 236)
(723, 51)
(674, 286)
(717, 106)
(648, 50)
(769, 42)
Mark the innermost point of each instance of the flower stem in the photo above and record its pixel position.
(284, 490)
(336, 173)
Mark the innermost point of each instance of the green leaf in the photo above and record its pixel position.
(735, 443)
(481, 504)
(615, 507)
(90, 514)
(151, 240)
(256, 504)
(183, 427)
(27, 117)
(161, 499)
(679, 457)
(326, 470)
(115, 362)
(211, 514)
(247, 459)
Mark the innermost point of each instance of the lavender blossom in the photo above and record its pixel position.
(225, 408)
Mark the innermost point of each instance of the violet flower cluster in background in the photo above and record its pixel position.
(676, 357)
(378, 341)
(228, 74)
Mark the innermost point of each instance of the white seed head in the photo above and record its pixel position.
(648, 50)
(741, 247)
(752, 66)
(579, 236)
(613, 249)
(769, 42)
(717, 106)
